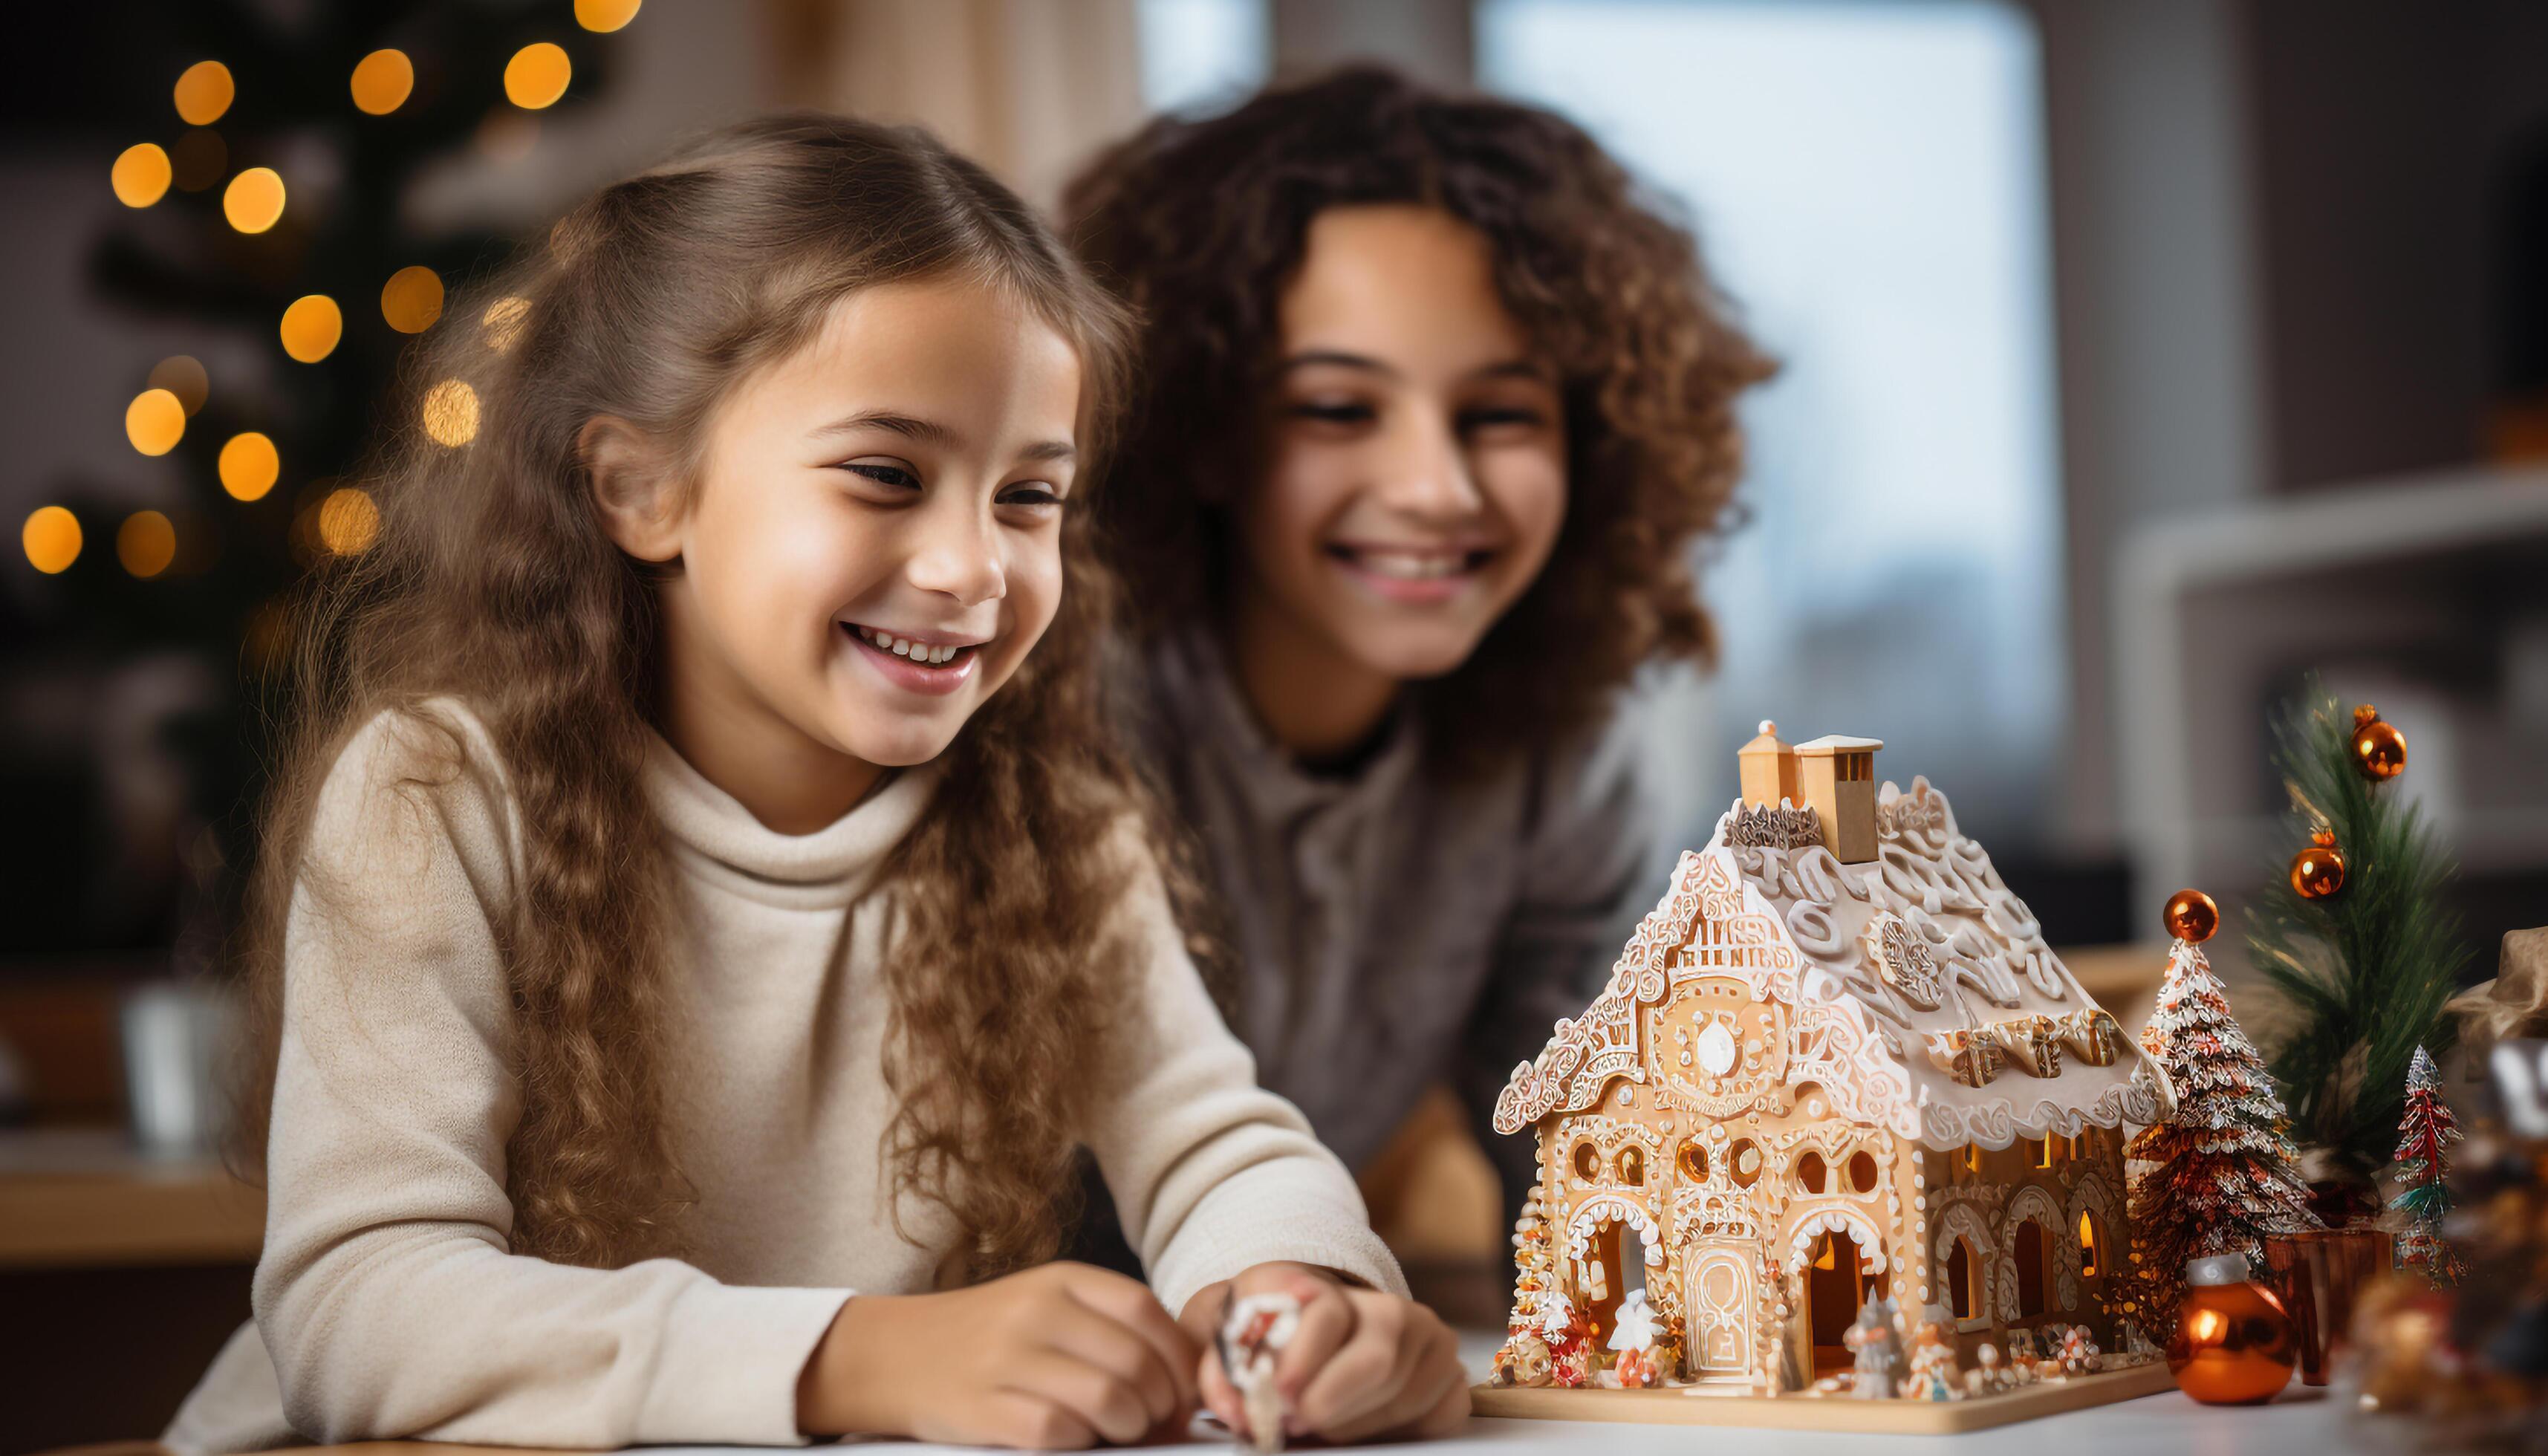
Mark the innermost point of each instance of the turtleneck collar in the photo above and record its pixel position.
(716, 837)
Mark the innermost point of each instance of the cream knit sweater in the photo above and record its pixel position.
(387, 1303)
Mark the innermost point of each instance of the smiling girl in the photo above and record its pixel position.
(1435, 400)
(702, 913)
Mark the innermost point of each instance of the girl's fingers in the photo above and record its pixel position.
(1027, 1422)
(1083, 1334)
(1449, 1415)
(1219, 1396)
(1371, 1369)
(1132, 1305)
(1433, 1378)
(1326, 1323)
(1103, 1401)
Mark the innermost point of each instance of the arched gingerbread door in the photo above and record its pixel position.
(1719, 1306)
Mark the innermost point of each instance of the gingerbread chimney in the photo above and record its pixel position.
(1769, 769)
(1838, 779)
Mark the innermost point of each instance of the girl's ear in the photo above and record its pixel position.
(640, 508)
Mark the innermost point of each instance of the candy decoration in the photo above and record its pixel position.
(2379, 749)
(2318, 872)
(2191, 916)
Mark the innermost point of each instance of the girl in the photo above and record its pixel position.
(698, 922)
(1434, 402)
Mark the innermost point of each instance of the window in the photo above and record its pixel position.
(1963, 1280)
(1868, 178)
(2032, 1268)
(1968, 1159)
(1811, 1174)
(2078, 1144)
(1588, 1164)
(1693, 1161)
(1743, 1162)
(1201, 54)
(2038, 1152)
(1862, 1172)
(2092, 1247)
(1632, 1167)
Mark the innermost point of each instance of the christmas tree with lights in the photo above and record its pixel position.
(2425, 1135)
(2220, 1171)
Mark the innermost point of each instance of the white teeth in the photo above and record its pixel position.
(904, 647)
(1409, 566)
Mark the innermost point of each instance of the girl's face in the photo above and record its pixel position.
(873, 543)
(1417, 475)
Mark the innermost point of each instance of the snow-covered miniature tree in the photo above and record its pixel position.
(2425, 1135)
(2220, 1173)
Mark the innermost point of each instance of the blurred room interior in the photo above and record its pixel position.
(2141, 358)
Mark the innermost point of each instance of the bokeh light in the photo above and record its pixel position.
(182, 375)
(450, 412)
(141, 174)
(382, 83)
(348, 521)
(145, 543)
(154, 421)
(502, 322)
(413, 298)
(604, 16)
(204, 92)
(52, 539)
(249, 466)
(254, 202)
(311, 326)
(538, 75)
(201, 159)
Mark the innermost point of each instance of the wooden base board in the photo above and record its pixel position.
(1693, 1406)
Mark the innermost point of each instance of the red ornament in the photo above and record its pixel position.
(2319, 870)
(2191, 916)
(2379, 749)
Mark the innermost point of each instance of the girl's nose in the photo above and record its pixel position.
(958, 555)
(1426, 475)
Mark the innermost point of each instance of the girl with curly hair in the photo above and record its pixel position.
(703, 908)
(1433, 403)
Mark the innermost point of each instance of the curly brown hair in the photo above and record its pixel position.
(1201, 223)
(491, 581)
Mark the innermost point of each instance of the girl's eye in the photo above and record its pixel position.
(885, 474)
(1032, 492)
(1334, 411)
(1500, 417)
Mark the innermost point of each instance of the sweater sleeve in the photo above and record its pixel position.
(1590, 832)
(1212, 1173)
(387, 1295)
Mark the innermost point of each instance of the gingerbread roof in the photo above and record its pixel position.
(1933, 1004)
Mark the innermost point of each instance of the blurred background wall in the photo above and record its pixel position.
(2141, 358)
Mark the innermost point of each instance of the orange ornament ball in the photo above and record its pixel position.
(2319, 870)
(2191, 915)
(2235, 1344)
(2379, 749)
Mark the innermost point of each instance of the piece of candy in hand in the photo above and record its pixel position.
(1254, 1331)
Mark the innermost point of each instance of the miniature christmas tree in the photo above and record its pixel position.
(2423, 1137)
(2220, 1172)
(2356, 938)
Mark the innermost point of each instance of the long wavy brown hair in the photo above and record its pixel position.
(1201, 222)
(491, 580)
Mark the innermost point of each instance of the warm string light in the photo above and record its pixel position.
(413, 298)
(450, 413)
(348, 521)
(382, 83)
(145, 543)
(254, 202)
(141, 174)
(204, 93)
(154, 421)
(50, 539)
(601, 17)
(311, 326)
(502, 322)
(537, 75)
(249, 466)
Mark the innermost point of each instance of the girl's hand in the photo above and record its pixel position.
(1362, 1365)
(1056, 1358)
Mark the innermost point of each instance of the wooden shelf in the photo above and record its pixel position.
(82, 1197)
(1695, 1406)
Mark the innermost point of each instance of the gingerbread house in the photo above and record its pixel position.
(1838, 1061)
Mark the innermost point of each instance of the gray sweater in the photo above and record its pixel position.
(1392, 929)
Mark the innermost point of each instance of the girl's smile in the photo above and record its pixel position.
(933, 662)
(1412, 574)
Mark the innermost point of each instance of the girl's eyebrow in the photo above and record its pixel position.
(1339, 358)
(931, 432)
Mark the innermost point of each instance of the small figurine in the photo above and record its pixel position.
(1933, 1365)
(1632, 1336)
(1877, 1346)
(1987, 1378)
(1253, 1333)
(1523, 1360)
(2079, 1352)
(1569, 1339)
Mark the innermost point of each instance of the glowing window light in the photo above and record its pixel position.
(141, 174)
(502, 322)
(154, 421)
(311, 326)
(348, 521)
(382, 83)
(601, 17)
(249, 466)
(450, 412)
(145, 543)
(413, 298)
(254, 202)
(182, 375)
(537, 75)
(52, 540)
(205, 92)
